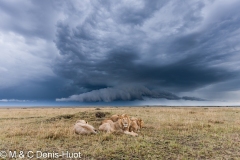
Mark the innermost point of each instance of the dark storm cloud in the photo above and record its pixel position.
(27, 29)
(175, 46)
(166, 45)
(124, 93)
(135, 13)
(30, 18)
(35, 90)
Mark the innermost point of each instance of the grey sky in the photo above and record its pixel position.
(64, 49)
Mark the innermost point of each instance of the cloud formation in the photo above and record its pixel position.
(26, 42)
(85, 47)
(13, 100)
(166, 45)
(123, 93)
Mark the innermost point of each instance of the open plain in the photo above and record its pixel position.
(168, 133)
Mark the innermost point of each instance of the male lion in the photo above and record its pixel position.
(82, 127)
(122, 125)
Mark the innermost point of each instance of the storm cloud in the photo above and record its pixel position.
(124, 93)
(91, 50)
(166, 45)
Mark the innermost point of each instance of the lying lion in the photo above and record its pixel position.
(121, 125)
(115, 117)
(82, 127)
(136, 124)
(107, 121)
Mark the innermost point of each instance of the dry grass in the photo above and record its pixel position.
(169, 133)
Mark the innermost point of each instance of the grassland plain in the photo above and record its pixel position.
(169, 132)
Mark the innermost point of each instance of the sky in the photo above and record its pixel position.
(148, 52)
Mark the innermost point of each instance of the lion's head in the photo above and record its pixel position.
(124, 121)
(82, 121)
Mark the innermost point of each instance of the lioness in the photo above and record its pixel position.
(114, 117)
(81, 121)
(140, 122)
(82, 127)
(133, 126)
(136, 124)
(107, 121)
(122, 125)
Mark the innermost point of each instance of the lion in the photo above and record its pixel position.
(122, 125)
(81, 121)
(136, 124)
(115, 117)
(133, 126)
(140, 123)
(82, 127)
(107, 121)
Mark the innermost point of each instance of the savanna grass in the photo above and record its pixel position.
(169, 132)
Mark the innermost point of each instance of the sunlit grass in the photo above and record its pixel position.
(169, 133)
